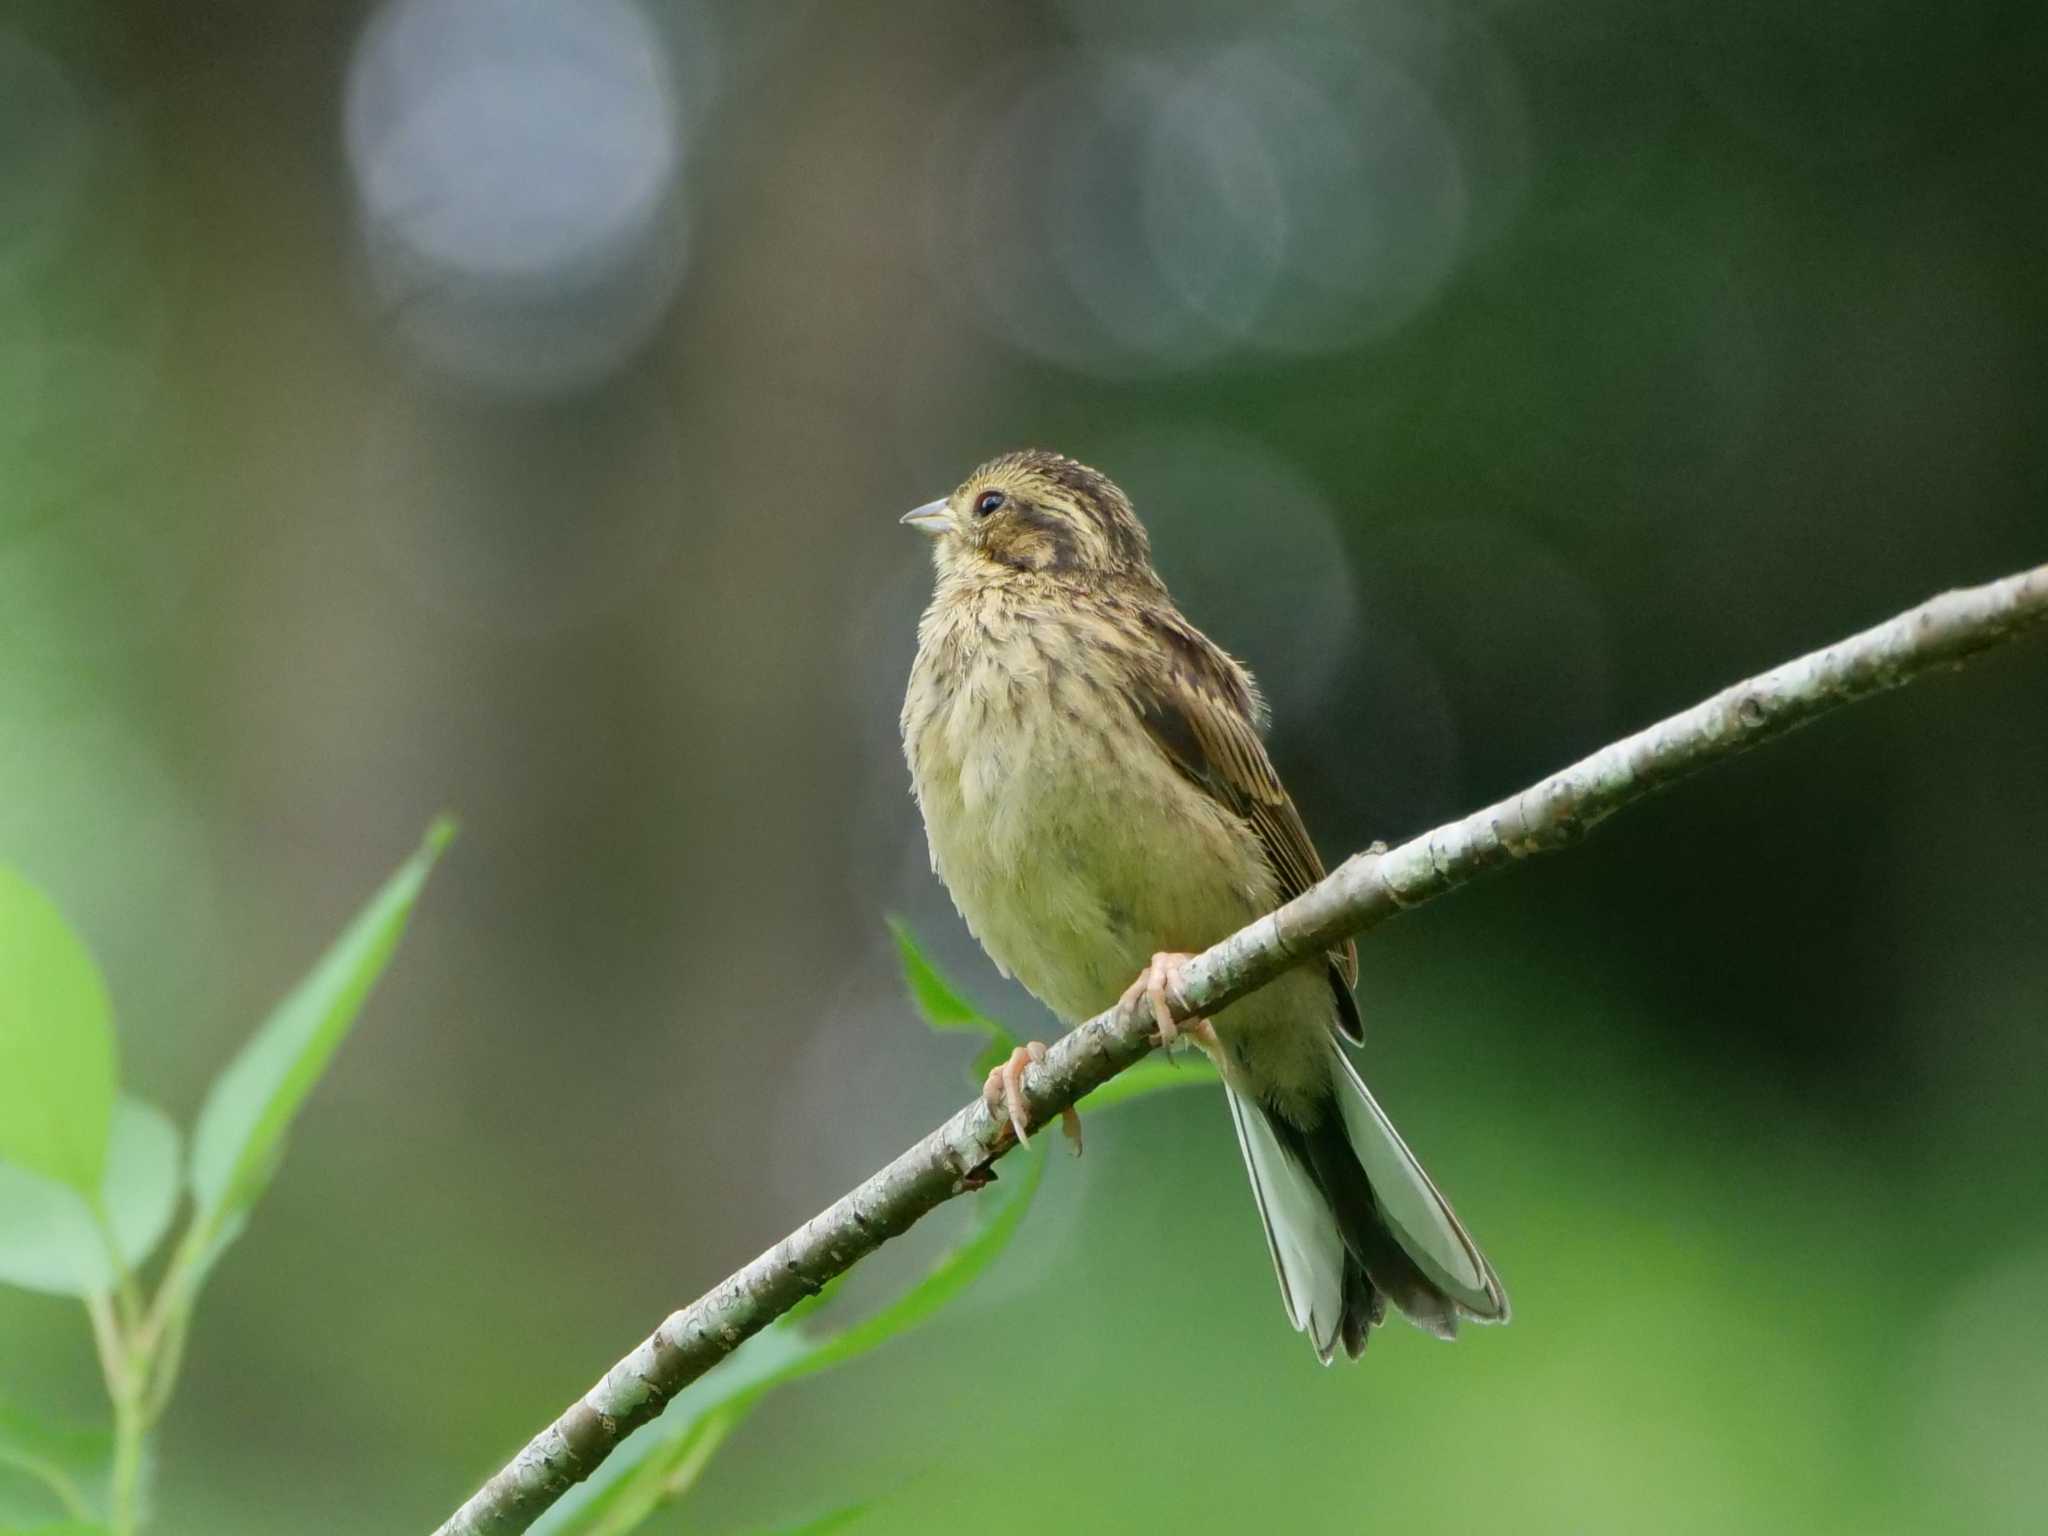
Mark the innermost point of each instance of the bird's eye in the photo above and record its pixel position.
(991, 501)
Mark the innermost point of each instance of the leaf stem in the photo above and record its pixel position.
(125, 1361)
(164, 1379)
(127, 1294)
(125, 1512)
(106, 1338)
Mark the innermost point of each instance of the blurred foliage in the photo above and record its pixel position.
(45, 1245)
(641, 1479)
(1494, 378)
(87, 1194)
(56, 1045)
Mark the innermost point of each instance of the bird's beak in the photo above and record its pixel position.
(931, 519)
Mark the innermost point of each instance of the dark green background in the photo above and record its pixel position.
(1741, 348)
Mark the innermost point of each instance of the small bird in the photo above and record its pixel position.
(1099, 803)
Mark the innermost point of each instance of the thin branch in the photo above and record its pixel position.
(1365, 891)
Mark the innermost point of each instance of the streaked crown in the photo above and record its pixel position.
(1035, 510)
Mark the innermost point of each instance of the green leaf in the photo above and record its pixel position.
(141, 1192)
(945, 1010)
(710, 1408)
(667, 1472)
(940, 1003)
(57, 1075)
(50, 1238)
(61, 1528)
(1154, 1074)
(241, 1131)
(998, 1213)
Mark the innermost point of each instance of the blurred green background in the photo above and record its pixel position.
(506, 408)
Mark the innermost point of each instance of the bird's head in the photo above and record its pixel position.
(1036, 511)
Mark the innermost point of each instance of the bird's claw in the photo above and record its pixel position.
(1004, 1095)
(1152, 984)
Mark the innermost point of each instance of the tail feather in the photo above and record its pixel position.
(1308, 1251)
(1353, 1222)
(1364, 1309)
(1411, 1207)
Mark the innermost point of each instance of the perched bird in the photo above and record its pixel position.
(1100, 805)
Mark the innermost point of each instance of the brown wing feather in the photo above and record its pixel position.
(1202, 709)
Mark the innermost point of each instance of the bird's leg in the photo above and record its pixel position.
(1152, 982)
(1004, 1090)
(1004, 1094)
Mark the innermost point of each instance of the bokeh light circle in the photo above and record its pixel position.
(1357, 206)
(516, 167)
(1035, 213)
(1127, 211)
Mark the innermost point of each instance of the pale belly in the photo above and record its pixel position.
(1076, 856)
(1074, 866)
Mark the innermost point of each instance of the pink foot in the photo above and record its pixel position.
(1004, 1095)
(1152, 984)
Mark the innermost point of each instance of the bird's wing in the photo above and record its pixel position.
(1203, 711)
